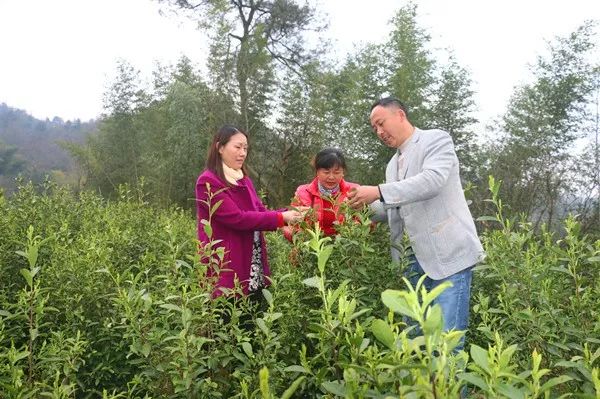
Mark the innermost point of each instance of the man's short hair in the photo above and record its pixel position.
(390, 102)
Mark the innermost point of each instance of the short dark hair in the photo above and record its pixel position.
(390, 102)
(214, 162)
(328, 158)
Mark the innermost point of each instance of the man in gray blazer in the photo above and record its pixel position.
(423, 197)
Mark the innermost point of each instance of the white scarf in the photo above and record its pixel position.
(232, 175)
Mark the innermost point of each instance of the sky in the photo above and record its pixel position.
(58, 57)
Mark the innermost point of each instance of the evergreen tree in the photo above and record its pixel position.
(10, 161)
(436, 95)
(451, 109)
(113, 156)
(540, 127)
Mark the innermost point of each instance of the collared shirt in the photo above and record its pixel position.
(401, 150)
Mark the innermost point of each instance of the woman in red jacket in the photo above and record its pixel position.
(326, 192)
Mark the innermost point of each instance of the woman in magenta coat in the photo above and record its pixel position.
(326, 192)
(239, 220)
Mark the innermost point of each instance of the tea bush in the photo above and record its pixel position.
(109, 299)
(542, 292)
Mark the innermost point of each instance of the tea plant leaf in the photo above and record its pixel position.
(216, 206)
(595, 356)
(383, 333)
(510, 391)
(268, 296)
(335, 388)
(323, 256)
(555, 381)
(487, 219)
(261, 324)
(453, 338)
(275, 316)
(480, 357)
(560, 269)
(145, 349)
(338, 291)
(397, 302)
(435, 292)
(312, 282)
(19, 356)
(247, 349)
(28, 277)
(566, 363)
(506, 355)
(359, 313)
(290, 391)
(364, 344)
(295, 368)
(434, 321)
(103, 270)
(559, 345)
(208, 230)
(474, 379)
(170, 306)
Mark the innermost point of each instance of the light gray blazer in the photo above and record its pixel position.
(426, 199)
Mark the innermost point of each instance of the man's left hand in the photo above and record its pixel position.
(362, 195)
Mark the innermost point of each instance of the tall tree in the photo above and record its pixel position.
(543, 121)
(451, 109)
(113, 156)
(409, 63)
(298, 134)
(177, 128)
(10, 161)
(437, 95)
(585, 168)
(248, 36)
(352, 91)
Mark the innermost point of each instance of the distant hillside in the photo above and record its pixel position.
(29, 146)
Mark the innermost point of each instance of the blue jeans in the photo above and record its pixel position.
(454, 300)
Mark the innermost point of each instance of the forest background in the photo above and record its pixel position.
(103, 293)
(266, 77)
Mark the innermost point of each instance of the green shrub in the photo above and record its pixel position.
(110, 299)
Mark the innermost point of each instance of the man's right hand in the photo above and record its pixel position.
(362, 195)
